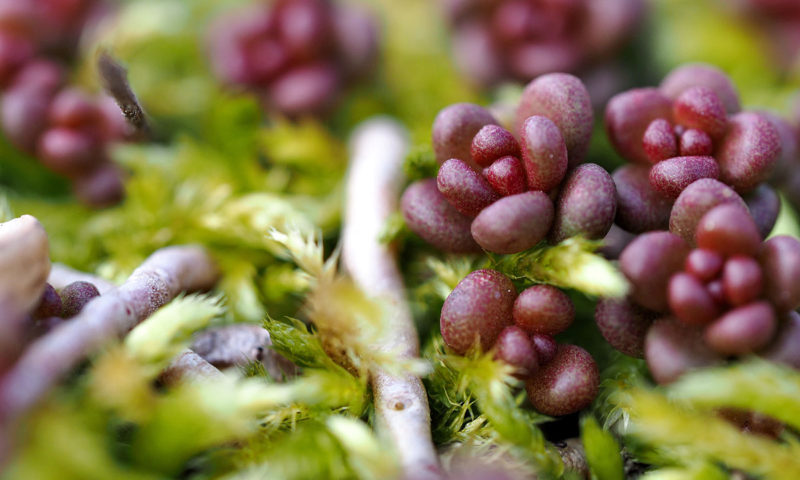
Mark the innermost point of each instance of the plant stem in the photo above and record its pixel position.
(166, 273)
(188, 367)
(373, 187)
(240, 344)
(62, 275)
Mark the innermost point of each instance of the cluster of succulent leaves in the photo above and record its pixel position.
(220, 176)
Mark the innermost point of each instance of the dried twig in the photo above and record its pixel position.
(373, 186)
(114, 78)
(159, 279)
(188, 367)
(574, 456)
(240, 344)
(62, 275)
(232, 345)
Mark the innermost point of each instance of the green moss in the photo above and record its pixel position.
(602, 451)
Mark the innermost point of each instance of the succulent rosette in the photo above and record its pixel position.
(522, 39)
(505, 192)
(485, 310)
(297, 55)
(721, 293)
(710, 288)
(690, 128)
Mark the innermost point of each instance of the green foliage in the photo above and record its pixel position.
(337, 448)
(685, 434)
(453, 409)
(447, 273)
(306, 251)
(6, 212)
(394, 228)
(418, 73)
(420, 163)
(165, 428)
(169, 428)
(787, 222)
(70, 444)
(322, 457)
(221, 173)
(349, 323)
(622, 374)
(754, 385)
(366, 455)
(20, 173)
(472, 401)
(304, 152)
(169, 69)
(570, 264)
(162, 44)
(700, 471)
(292, 339)
(602, 451)
(168, 330)
(187, 193)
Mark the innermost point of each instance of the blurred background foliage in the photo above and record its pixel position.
(162, 44)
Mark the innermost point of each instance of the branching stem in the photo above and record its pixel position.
(240, 344)
(188, 367)
(166, 273)
(62, 275)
